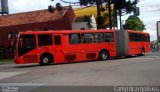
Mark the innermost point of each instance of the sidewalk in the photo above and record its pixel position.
(155, 54)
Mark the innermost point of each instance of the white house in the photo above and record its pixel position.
(81, 24)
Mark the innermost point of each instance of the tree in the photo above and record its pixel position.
(99, 3)
(88, 20)
(51, 8)
(121, 7)
(134, 23)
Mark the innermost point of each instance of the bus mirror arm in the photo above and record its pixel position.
(21, 43)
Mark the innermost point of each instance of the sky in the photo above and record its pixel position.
(149, 11)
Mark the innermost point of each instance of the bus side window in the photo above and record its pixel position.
(57, 40)
(133, 37)
(108, 37)
(130, 36)
(137, 37)
(87, 38)
(44, 39)
(99, 37)
(74, 38)
(148, 38)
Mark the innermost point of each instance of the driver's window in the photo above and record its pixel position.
(28, 41)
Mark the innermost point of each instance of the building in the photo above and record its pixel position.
(11, 25)
(92, 11)
(81, 23)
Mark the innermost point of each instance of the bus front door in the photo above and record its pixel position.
(58, 49)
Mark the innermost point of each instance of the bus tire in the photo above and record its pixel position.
(142, 52)
(103, 55)
(45, 59)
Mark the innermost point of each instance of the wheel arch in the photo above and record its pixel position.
(104, 50)
(47, 53)
(143, 48)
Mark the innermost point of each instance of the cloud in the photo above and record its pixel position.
(149, 14)
(16, 6)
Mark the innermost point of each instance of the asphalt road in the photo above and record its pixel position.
(141, 70)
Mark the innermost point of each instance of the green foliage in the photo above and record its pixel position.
(51, 8)
(7, 60)
(101, 19)
(2, 54)
(130, 7)
(120, 4)
(134, 23)
(121, 7)
(124, 7)
(59, 7)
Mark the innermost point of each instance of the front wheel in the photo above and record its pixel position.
(45, 60)
(103, 55)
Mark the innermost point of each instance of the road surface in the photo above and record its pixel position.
(137, 70)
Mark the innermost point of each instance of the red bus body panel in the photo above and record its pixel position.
(136, 47)
(66, 52)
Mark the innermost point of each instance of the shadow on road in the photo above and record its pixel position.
(27, 66)
(125, 57)
(37, 65)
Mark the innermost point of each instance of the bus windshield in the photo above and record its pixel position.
(26, 44)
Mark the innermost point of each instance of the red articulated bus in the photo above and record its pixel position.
(46, 47)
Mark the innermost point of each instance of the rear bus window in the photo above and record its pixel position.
(108, 37)
(135, 37)
(45, 40)
(57, 40)
(147, 38)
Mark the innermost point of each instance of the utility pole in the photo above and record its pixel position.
(98, 2)
(98, 14)
(115, 24)
(110, 15)
(109, 12)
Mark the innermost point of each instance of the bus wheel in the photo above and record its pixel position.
(103, 55)
(46, 60)
(142, 52)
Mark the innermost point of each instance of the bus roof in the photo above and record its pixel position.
(74, 31)
(63, 31)
(133, 31)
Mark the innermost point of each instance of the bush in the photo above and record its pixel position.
(134, 23)
(2, 53)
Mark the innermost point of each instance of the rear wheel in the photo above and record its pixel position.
(103, 55)
(45, 60)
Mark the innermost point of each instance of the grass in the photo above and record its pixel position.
(6, 60)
